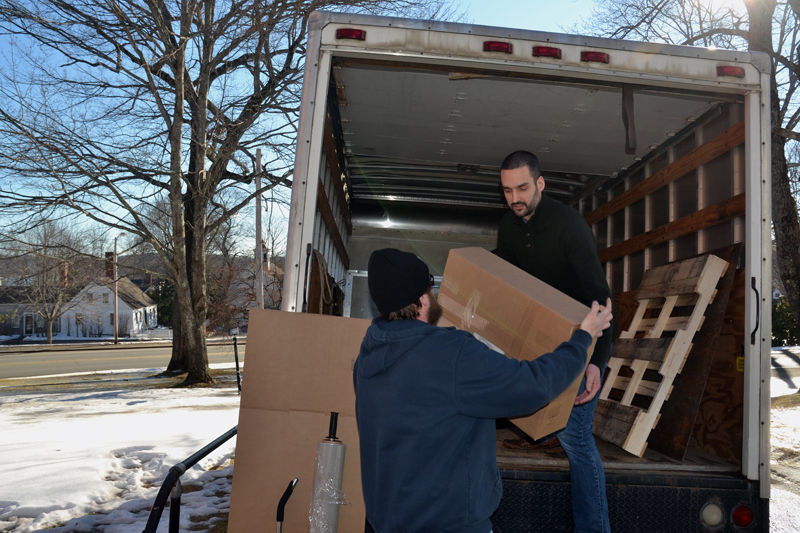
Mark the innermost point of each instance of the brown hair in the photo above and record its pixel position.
(411, 311)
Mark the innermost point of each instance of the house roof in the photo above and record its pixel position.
(128, 292)
(14, 295)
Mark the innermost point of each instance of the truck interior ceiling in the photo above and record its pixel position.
(420, 149)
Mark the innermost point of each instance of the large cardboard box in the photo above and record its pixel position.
(299, 369)
(518, 314)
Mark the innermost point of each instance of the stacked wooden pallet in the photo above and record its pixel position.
(672, 300)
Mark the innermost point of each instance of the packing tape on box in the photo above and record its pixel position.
(327, 493)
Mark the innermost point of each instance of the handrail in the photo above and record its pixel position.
(173, 478)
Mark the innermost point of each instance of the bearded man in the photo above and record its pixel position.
(552, 242)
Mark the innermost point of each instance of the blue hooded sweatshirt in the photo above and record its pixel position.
(426, 402)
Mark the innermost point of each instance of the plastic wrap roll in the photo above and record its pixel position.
(327, 493)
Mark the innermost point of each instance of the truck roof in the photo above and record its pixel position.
(424, 115)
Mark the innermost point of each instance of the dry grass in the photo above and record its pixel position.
(790, 401)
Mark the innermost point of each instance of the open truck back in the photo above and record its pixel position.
(665, 151)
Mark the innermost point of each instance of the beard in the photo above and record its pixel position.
(434, 311)
(529, 207)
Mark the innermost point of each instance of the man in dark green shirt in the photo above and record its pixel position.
(552, 242)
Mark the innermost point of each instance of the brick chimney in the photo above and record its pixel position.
(110, 265)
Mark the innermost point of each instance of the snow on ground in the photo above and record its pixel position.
(93, 461)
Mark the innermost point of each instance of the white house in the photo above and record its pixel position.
(91, 311)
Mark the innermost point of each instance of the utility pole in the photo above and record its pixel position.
(259, 249)
(116, 293)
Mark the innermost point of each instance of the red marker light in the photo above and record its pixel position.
(727, 70)
(547, 51)
(742, 516)
(351, 33)
(595, 57)
(497, 46)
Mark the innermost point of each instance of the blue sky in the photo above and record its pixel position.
(543, 15)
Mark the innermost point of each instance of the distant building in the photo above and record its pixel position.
(17, 313)
(92, 310)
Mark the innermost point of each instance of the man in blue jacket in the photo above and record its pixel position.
(426, 402)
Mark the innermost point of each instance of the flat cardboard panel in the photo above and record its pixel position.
(299, 369)
(516, 312)
(302, 362)
(274, 447)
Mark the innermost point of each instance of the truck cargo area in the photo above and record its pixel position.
(400, 145)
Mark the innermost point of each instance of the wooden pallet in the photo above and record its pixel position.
(672, 300)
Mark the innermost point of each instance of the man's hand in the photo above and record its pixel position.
(598, 319)
(592, 385)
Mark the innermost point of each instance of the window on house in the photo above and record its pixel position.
(105, 297)
(78, 319)
(111, 319)
(89, 297)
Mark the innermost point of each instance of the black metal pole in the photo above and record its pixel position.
(282, 502)
(174, 475)
(175, 508)
(236, 357)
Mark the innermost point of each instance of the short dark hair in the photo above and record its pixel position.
(411, 311)
(520, 159)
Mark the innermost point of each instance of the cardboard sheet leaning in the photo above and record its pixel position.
(299, 368)
(515, 313)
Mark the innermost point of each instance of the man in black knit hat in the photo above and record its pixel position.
(426, 402)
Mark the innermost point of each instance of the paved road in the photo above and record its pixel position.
(45, 361)
(785, 371)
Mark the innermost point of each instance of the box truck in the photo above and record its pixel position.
(665, 150)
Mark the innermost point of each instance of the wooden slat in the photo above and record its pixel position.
(683, 300)
(674, 323)
(646, 388)
(674, 278)
(641, 349)
(705, 218)
(613, 422)
(722, 143)
(324, 208)
(671, 437)
(639, 367)
(329, 142)
(661, 322)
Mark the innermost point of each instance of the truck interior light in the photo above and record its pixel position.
(547, 51)
(728, 70)
(595, 57)
(742, 516)
(497, 46)
(351, 33)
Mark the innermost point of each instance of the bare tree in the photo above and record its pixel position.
(766, 26)
(50, 262)
(109, 107)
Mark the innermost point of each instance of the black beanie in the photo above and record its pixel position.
(396, 279)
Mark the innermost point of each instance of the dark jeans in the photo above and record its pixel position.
(589, 504)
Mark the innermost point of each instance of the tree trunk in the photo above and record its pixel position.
(786, 224)
(49, 332)
(176, 361)
(195, 355)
